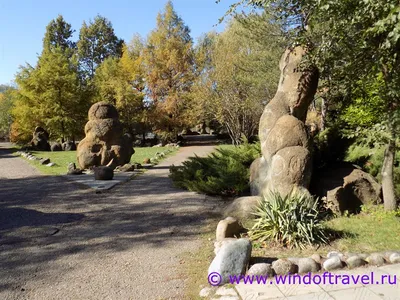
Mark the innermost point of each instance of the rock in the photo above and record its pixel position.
(104, 141)
(284, 267)
(72, 170)
(243, 208)
(376, 259)
(285, 144)
(56, 147)
(137, 166)
(394, 258)
(103, 173)
(317, 258)
(231, 259)
(50, 164)
(146, 160)
(44, 161)
(224, 291)
(258, 175)
(229, 227)
(355, 262)
(335, 253)
(69, 146)
(39, 140)
(333, 263)
(206, 292)
(226, 298)
(127, 168)
(346, 188)
(263, 269)
(219, 244)
(386, 254)
(307, 265)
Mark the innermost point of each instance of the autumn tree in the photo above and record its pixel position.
(7, 95)
(239, 75)
(49, 93)
(169, 61)
(120, 81)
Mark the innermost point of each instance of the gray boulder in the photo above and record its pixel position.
(394, 258)
(376, 259)
(284, 267)
(232, 259)
(333, 263)
(243, 208)
(69, 146)
(305, 265)
(229, 227)
(344, 187)
(355, 262)
(263, 269)
(56, 147)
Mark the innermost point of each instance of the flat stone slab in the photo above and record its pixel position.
(103, 185)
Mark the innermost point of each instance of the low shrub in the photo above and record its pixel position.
(292, 221)
(224, 172)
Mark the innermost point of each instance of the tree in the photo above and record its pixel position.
(7, 95)
(58, 34)
(120, 81)
(353, 41)
(241, 75)
(169, 62)
(48, 96)
(97, 41)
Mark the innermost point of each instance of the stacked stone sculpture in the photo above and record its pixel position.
(104, 141)
(286, 155)
(39, 140)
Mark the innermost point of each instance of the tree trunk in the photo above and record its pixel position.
(323, 113)
(389, 197)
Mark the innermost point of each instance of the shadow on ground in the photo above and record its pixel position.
(45, 218)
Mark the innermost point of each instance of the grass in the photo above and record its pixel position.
(63, 158)
(366, 232)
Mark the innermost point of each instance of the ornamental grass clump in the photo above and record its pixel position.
(292, 220)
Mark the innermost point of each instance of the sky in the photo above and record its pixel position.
(23, 22)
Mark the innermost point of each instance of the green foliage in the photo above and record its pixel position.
(292, 221)
(238, 73)
(379, 212)
(49, 96)
(370, 159)
(224, 172)
(58, 34)
(97, 41)
(7, 98)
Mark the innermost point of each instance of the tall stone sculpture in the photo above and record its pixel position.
(104, 141)
(286, 150)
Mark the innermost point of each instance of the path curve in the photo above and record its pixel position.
(61, 241)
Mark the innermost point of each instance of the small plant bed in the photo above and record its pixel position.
(372, 230)
(224, 172)
(63, 158)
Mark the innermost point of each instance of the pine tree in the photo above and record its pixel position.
(97, 41)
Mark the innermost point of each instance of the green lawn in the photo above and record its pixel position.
(63, 158)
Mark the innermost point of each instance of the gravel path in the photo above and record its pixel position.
(61, 241)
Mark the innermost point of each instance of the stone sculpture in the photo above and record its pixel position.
(286, 156)
(104, 141)
(39, 140)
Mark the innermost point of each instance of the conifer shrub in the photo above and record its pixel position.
(224, 172)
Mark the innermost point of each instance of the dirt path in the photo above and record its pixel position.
(59, 241)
